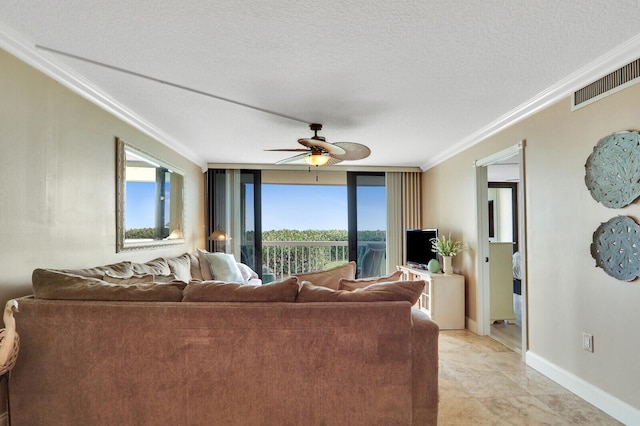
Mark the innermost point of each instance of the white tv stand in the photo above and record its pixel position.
(442, 297)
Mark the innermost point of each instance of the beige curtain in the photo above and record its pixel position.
(411, 202)
(394, 220)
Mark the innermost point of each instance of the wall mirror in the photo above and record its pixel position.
(149, 200)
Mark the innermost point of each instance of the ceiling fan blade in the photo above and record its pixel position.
(289, 150)
(332, 161)
(292, 159)
(326, 146)
(353, 151)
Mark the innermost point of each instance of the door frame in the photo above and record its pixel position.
(482, 222)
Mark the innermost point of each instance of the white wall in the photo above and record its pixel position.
(57, 180)
(567, 293)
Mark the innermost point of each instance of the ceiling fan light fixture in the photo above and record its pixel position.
(317, 159)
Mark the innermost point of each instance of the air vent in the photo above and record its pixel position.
(607, 85)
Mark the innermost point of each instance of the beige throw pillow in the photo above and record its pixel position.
(121, 269)
(204, 265)
(408, 291)
(180, 267)
(135, 279)
(329, 278)
(218, 291)
(196, 272)
(346, 284)
(51, 284)
(155, 267)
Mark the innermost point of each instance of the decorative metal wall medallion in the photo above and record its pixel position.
(613, 170)
(616, 248)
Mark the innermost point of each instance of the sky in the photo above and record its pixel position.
(140, 209)
(283, 207)
(320, 207)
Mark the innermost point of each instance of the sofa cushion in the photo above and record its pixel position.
(156, 267)
(180, 267)
(408, 291)
(121, 269)
(329, 278)
(218, 291)
(51, 284)
(346, 284)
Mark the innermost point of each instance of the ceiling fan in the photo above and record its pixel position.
(319, 152)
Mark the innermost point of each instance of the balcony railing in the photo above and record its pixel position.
(283, 258)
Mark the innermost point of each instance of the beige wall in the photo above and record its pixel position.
(57, 180)
(567, 293)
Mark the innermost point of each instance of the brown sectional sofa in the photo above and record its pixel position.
(148, 362)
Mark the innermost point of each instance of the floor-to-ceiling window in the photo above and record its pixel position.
(284, 222)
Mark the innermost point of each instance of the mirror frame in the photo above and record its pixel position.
(121, 182)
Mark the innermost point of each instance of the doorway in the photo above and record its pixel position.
(501, 219)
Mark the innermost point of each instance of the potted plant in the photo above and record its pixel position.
(447, 248)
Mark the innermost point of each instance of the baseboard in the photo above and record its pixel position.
(617, 409)
(472, 325)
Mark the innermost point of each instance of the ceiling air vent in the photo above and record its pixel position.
(607, 85)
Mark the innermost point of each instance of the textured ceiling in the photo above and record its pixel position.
(409, 79)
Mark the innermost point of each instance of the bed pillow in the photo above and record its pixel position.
(408, 291)
(346, 284)
(223, 267)
(51, 284)
(218, 291)
(329, 278)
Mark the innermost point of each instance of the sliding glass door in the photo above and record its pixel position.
(367, 200)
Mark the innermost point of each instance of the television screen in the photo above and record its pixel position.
(418, 246)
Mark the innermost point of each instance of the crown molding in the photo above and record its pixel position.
(25, 50)
(303, 167)
(610, 61)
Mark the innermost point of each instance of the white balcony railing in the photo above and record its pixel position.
(283, 258)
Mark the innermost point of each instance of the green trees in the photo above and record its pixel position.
(296, 257)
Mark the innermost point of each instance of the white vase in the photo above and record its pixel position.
(446, 265)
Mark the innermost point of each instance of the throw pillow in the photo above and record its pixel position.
(330, 277)
(204, 265)
(122, 270)
(346, 284)
(408, 291)
(135, 279)
(217, 291)
(51, 284)
(224, 267)
(155, 267)
(196, 273)
(247, 272)
(180, 267)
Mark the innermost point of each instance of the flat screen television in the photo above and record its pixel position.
(418, 246)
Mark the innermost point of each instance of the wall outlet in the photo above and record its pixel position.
(587, 342)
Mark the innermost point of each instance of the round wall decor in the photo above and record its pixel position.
(613, 170)
(616, 248)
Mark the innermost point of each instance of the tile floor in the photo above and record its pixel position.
(483, 382)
